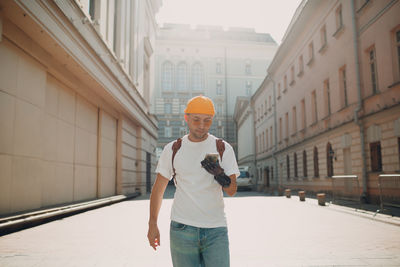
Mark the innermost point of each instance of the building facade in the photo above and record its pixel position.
(221, 64)
(75, 87)
(330, 103)
(243, 117)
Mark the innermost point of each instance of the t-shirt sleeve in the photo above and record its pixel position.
(164, 165)
(229, 161)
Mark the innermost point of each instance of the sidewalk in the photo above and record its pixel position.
(264, 231)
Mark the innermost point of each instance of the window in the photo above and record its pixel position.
(248, 68)
(219, 109)
(92, 9)
(266, 139)
(292, 75)
(181, 77)
(327, 98)
(347, 160)
(295, 165)
(219, 87)
(301, 66)
(398, 148)
(197, 77)
(266, 107)
(397, 42)
(270, 135)
(329, 159)
(376, 156)
(303, 114)
(249, 87)
(323, 38)
(288, 167)
(305, 163)
(280, 129)
(285, 83)
(310, 53)
(272, 173)
(270, 103)
(221, 131)
(287, 125)
(373, 72)
(218, 67)
(182, 109)
(339, 18)
(343, 86)
(168, 131)
(294, 120)
(316, 166)
(314, 107)
(168, 108)
(167, 76)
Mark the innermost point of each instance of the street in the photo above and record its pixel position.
(263, 231)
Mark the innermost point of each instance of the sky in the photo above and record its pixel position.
(265, 16)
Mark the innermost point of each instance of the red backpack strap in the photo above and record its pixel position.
(220, 147)
(175, 147)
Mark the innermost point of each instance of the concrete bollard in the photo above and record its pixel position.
(287, 193)
(321, 199)
(302, 195)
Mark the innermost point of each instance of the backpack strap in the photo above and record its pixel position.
(220, 147)
(175, 147)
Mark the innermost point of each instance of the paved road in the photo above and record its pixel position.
(264, 231)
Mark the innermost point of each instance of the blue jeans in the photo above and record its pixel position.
(194, 246)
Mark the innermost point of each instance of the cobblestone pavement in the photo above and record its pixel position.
(263, 231)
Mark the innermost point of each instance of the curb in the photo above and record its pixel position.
(16, 223)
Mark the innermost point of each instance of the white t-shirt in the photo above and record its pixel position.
(198, 197)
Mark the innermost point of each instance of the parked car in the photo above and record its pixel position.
(244, 180)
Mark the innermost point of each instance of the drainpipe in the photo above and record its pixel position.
(357, 120)
(275, 136)
(254, 142)
(275, 139)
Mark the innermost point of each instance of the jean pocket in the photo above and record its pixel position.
(177, 226)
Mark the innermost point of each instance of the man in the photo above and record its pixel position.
(198, 230)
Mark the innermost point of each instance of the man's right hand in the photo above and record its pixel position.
(153, 236)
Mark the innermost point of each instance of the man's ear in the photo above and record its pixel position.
(186, 117)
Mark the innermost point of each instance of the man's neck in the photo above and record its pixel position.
(193, 138)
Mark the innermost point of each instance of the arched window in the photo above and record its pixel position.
(181, 77)
(197, 77)
(329, 159)
(295, 165)
(316, 166)
(288, 167)
(167, 76)
(305, 163)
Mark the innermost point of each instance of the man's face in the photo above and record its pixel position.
(199, 124)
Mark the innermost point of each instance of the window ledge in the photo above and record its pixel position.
(300, 74)
(323, 48)
(292, 83)
(338, 32)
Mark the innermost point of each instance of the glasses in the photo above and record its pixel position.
(206, 123)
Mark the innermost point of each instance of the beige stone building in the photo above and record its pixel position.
(221, 64)
(330, 103)
(75, 87)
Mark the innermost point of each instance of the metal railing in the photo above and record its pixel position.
(389, 190)
(346, 189)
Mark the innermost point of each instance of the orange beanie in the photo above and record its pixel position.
(200, 105)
